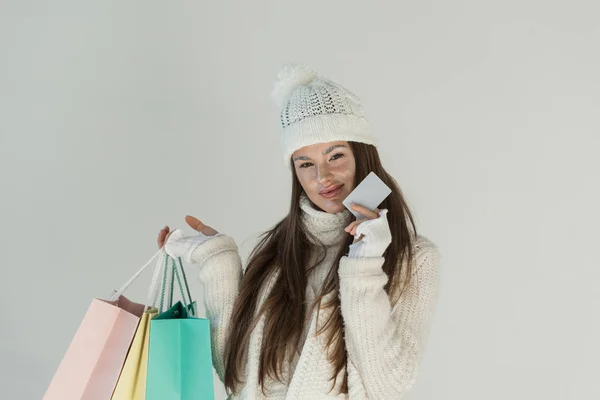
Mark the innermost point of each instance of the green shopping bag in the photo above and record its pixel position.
(180, 358)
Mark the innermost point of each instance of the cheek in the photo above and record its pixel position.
(345, 171)
(305, 177)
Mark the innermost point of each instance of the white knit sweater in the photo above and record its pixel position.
(384, 344)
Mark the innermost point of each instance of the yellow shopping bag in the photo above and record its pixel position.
(132, 381)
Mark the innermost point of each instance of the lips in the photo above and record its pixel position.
(330, 190)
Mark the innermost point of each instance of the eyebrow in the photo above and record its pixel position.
(327, 151)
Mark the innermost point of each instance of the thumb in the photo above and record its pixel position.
(197, 225)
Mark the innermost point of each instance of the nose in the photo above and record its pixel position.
(323, 175)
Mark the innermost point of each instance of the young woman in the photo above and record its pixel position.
(326, 306)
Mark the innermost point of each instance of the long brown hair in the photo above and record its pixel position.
(285, 248)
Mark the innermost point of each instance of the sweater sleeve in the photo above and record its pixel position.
(385, 343)
(220, 275)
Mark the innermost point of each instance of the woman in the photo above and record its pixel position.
(326, 306)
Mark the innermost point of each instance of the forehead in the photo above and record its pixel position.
(319, 148)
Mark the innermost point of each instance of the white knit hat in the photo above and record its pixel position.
(315, 110)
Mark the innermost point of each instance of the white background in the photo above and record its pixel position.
(117, 118)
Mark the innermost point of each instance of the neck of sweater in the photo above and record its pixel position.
(327, 227)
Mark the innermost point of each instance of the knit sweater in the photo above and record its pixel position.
(384, 343)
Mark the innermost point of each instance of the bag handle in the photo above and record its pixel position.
(184, 281)
(116, 294)
(165, 278)
(153, 291)
(175, 270)
(170, 273)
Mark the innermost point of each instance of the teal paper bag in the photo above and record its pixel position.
(179, 357)
(179, 354)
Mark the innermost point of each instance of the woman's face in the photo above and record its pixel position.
(326, 173)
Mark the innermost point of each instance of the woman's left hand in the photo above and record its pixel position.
(374, 235)
(369, 214)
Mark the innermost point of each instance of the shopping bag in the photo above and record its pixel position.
(132, 381)
(92, 363)
(180, 358)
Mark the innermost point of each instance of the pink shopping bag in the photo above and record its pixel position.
(92, 363)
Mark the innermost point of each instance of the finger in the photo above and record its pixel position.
(161, 236)
(371, 214)
(353, 224)
(167, 237)
(197, 225)
(355, 227)
(357, 223)
(352, 230)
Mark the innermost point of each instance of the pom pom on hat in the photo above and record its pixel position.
(289, 77)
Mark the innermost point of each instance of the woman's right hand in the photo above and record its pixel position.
(162, 236)
(178, 245)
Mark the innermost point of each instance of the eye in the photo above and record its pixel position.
(335, 157)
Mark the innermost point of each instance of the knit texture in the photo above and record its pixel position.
(384, 343)
(314, 110)
(325, 227)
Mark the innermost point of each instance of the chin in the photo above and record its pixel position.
(332, 207)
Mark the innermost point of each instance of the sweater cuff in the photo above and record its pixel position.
(351, 267)
(211, 248)
(220, 269)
